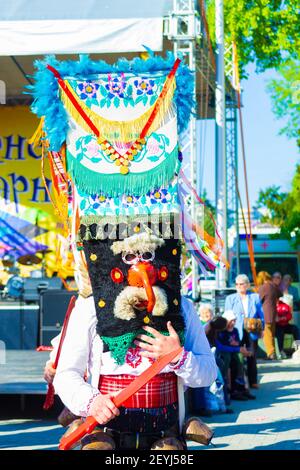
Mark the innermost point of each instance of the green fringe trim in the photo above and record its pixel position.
(170, 225)
(119, 345)
(138, 184)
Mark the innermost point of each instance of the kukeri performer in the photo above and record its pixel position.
(151, 417)
(111, 136)
(152, 413)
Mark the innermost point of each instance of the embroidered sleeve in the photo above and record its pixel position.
(180, 361)
(90, 402)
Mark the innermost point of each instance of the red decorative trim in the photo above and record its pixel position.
(91, 401)
(161, 390)
(73, 100)
(44, 348)
(180, 361)
(133, 357)
(160, 98)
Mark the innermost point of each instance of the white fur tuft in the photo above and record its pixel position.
(131, 296)
(138, 242)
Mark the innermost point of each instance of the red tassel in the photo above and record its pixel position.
(49, 397)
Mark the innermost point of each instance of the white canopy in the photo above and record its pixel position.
(30, 27)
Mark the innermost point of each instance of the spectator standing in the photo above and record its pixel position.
(287, 288)
(277, 279)
(269, 294)
(283, 325)
(247, 304)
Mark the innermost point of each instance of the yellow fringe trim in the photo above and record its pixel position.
(59, 200)
(38, 133)
(121, 131)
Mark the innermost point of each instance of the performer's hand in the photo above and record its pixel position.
(103, 409)
(159, 344)
(49, 372)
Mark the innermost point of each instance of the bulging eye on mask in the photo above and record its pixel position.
(135, 257)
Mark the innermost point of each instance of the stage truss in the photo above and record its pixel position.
(185, 29)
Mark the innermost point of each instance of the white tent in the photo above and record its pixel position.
(105, 29)
(73, 26)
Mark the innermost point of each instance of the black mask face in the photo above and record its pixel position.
(120, 281)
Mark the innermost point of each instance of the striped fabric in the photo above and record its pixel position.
(158, 392)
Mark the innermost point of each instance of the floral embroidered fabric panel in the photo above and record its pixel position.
(157, 201)
(85, 149)
(119, 91)
(136, 150)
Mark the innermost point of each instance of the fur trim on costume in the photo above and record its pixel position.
(130, 297)
(141, 242)
(118, 334)
(94, 227)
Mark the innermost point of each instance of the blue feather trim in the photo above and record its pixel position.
(46, 98)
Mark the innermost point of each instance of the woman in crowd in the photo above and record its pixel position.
(269, 294)
(246, 304)
(206, 314)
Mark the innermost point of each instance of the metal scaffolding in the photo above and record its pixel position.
(232, 157)
(185, 29)
(220, 150)
(232, 171)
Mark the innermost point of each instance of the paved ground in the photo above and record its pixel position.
(28, 365)
(272, 421)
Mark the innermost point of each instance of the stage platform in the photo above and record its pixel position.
(21, 372)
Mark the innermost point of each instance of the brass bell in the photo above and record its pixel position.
(196, 430)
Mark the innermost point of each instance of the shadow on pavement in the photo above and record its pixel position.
(283, 445)
(31, 434)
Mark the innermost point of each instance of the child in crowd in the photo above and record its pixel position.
(207, 400)
(232, 354)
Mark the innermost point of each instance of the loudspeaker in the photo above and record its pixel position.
(33, 287)
(53, 308)
(19, 325)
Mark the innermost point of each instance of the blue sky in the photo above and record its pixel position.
(271, 158)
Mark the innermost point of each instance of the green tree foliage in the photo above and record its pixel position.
(283, 208)
(285, 94)
(266, 32)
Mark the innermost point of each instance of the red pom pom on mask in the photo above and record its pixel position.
(117, 276)
(163, 273)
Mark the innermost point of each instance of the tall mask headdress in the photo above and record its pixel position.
(112, 137)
